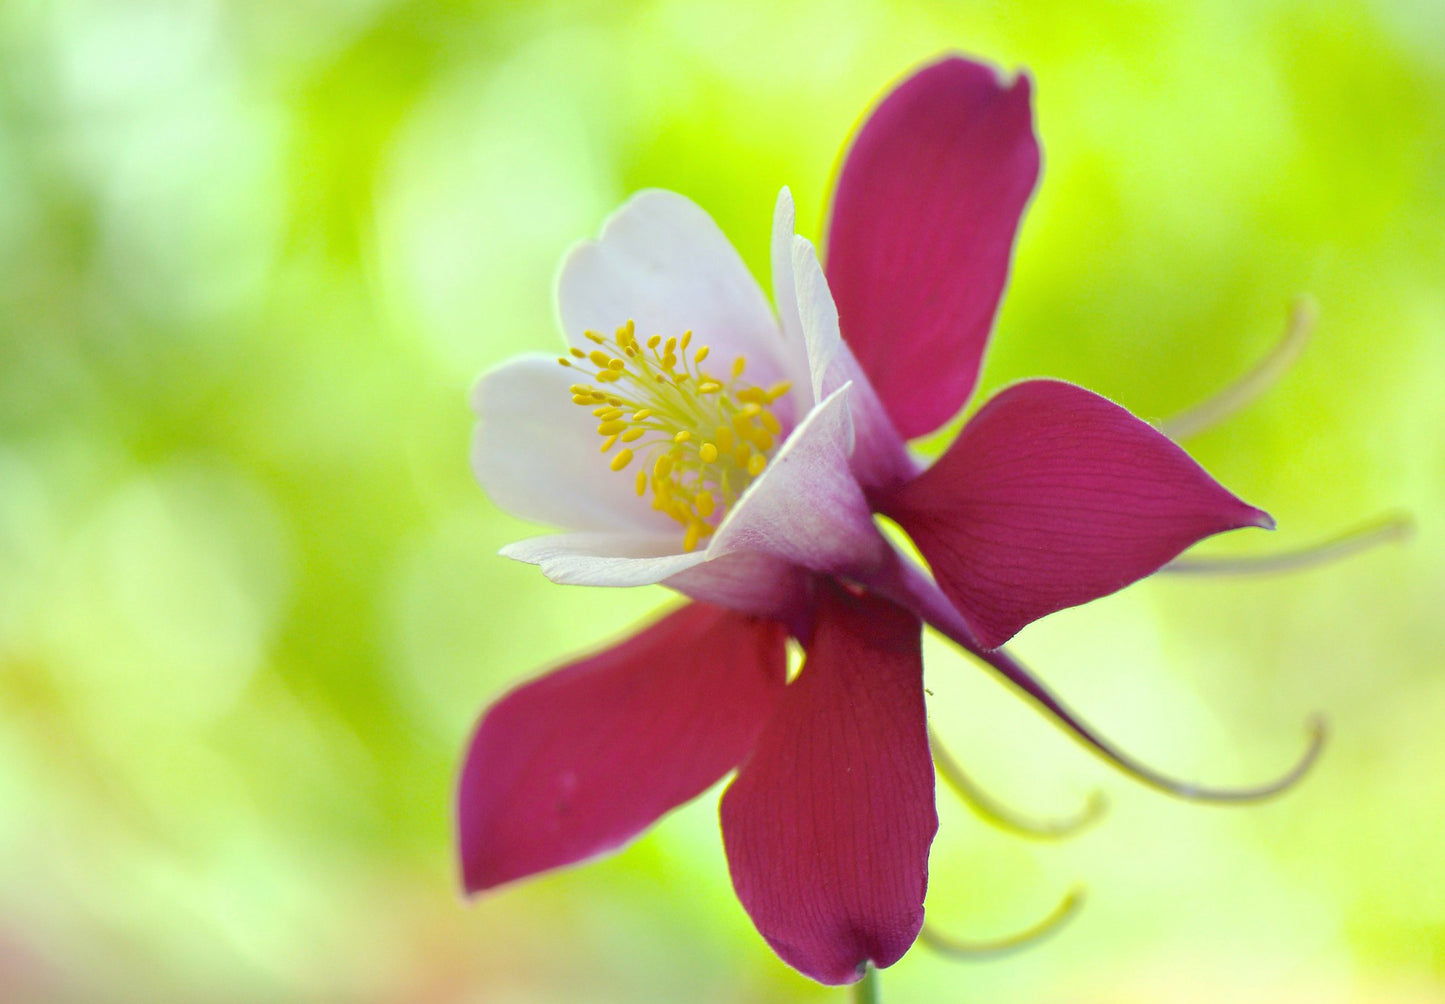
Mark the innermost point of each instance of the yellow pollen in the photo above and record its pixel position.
(702, 437)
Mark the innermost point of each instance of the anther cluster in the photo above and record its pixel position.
(701, 439)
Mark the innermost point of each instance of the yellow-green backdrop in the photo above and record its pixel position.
(252, 255)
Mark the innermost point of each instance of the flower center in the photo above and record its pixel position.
(702, 439)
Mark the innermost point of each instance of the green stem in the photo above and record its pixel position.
(865, 991)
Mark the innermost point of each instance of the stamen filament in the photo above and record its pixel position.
(905, 584)
(1386, 530)
(1234, 397)
(959, 948)
(996, 813)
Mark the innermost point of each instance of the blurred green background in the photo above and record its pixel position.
(253, 254)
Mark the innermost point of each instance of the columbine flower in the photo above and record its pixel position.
(692, 437)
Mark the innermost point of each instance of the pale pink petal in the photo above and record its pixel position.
(536, 453)
(828, 824)
(580, 761)
(806, 508)
(1052, 496)
(922, 227)
(662, 262)
(879, 456)
(750, 583)
(785, 295)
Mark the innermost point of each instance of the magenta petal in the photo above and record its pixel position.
(922, 227)
(581, 760)
(828, 824)
(1052, 496)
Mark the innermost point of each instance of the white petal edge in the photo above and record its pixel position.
(535, 453)
(662, 262)
(785, 296)
(606, 559)
(880, 457)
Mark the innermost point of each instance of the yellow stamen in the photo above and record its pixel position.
(703, 437)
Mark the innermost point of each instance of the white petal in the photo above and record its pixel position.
(662, 262)
(806, 507)
(606, 559)
(536, 453)
(785, 295)
(880, 456)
